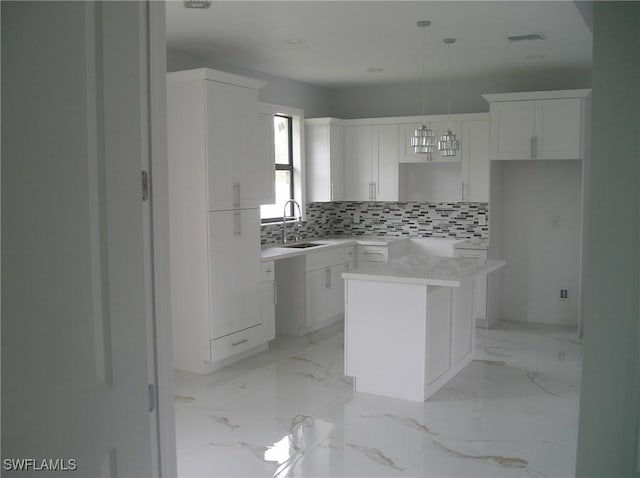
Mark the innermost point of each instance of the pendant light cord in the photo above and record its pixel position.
(424, 72)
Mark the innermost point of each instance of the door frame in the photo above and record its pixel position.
(158, 171)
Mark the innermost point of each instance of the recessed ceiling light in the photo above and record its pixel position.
(375, 70)
(201, 4)
(294, 41)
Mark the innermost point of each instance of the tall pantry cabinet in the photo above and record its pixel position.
(214, 189)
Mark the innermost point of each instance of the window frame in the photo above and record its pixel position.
(290, 167)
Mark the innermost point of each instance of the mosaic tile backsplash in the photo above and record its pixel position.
(407, 219)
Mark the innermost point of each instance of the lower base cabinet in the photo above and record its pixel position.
(317, 300)
(479, 287)
(269, 297)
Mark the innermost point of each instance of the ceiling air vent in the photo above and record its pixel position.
(201, 4)
(528, 37)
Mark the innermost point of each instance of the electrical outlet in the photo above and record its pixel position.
(356, 217)
(564, 294)
(482, 219)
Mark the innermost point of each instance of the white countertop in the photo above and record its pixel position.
(425, 270)
(271, 253)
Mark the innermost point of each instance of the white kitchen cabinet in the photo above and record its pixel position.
(213, 217)
(371, 162)
(439, 127)
(266, 189)
(325, 287)
(479, 304)
(537, 125)
(474, 186)
(234, 276)
(324, 143)
(219, 113)
(269, 297)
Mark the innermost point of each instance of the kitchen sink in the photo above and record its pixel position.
(302, 245)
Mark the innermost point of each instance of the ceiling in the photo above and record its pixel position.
(340, 40)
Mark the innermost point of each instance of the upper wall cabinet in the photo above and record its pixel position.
(219, 112)
(324, 143)
(371, 162)
(439, 127)
(537, 125)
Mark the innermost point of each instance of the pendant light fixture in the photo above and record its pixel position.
(448, 145)
(423, 140)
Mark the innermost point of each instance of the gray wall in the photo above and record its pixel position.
(608, 433)
(466, 94)
(315, 101)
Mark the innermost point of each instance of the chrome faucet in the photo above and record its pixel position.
(284, 219)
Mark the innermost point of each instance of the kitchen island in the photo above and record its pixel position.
(409, 323)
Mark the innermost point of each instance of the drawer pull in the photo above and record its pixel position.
(374, 253)
(243, 341)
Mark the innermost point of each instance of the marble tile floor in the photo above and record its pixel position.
(513, 412)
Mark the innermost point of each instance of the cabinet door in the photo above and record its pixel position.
(266, 168)
(318, 157)
(336, 162)
(462, 322)
(221, 140)
(317, 285)
(335, 295)
(557, 128)
(232, 146)
(357, 157)
(385, 163)
(475, 161)
(234, 271)
(512, 127)
(268, 302)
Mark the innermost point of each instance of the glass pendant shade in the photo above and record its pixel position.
(448, 145)
(423, 140)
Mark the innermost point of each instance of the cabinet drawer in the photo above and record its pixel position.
(237, 342)
(268, 272)
(328, 258)
(479, 253)
(373, 253)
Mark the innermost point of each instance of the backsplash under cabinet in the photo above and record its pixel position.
(416, 219)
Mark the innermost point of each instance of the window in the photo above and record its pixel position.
(285, 172)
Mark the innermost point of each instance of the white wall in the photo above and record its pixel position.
(315, 101)
(429, 182)
(541, 219)
(609, 398)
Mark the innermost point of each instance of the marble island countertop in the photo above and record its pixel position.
(271, 253)
(425, 270)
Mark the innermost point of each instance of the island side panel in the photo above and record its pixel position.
(438, 334)
(462, 326)
(385, 338)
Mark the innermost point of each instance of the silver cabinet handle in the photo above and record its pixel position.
(374, 187)
(331, 194)
(237, 225)
(535, 146)
(532, 151)
(275, 292)
(373, 253)
(236, 195)
(327, 278)
(243, 341)
(462, 191)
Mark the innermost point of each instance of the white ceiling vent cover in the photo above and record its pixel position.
(527, 37)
